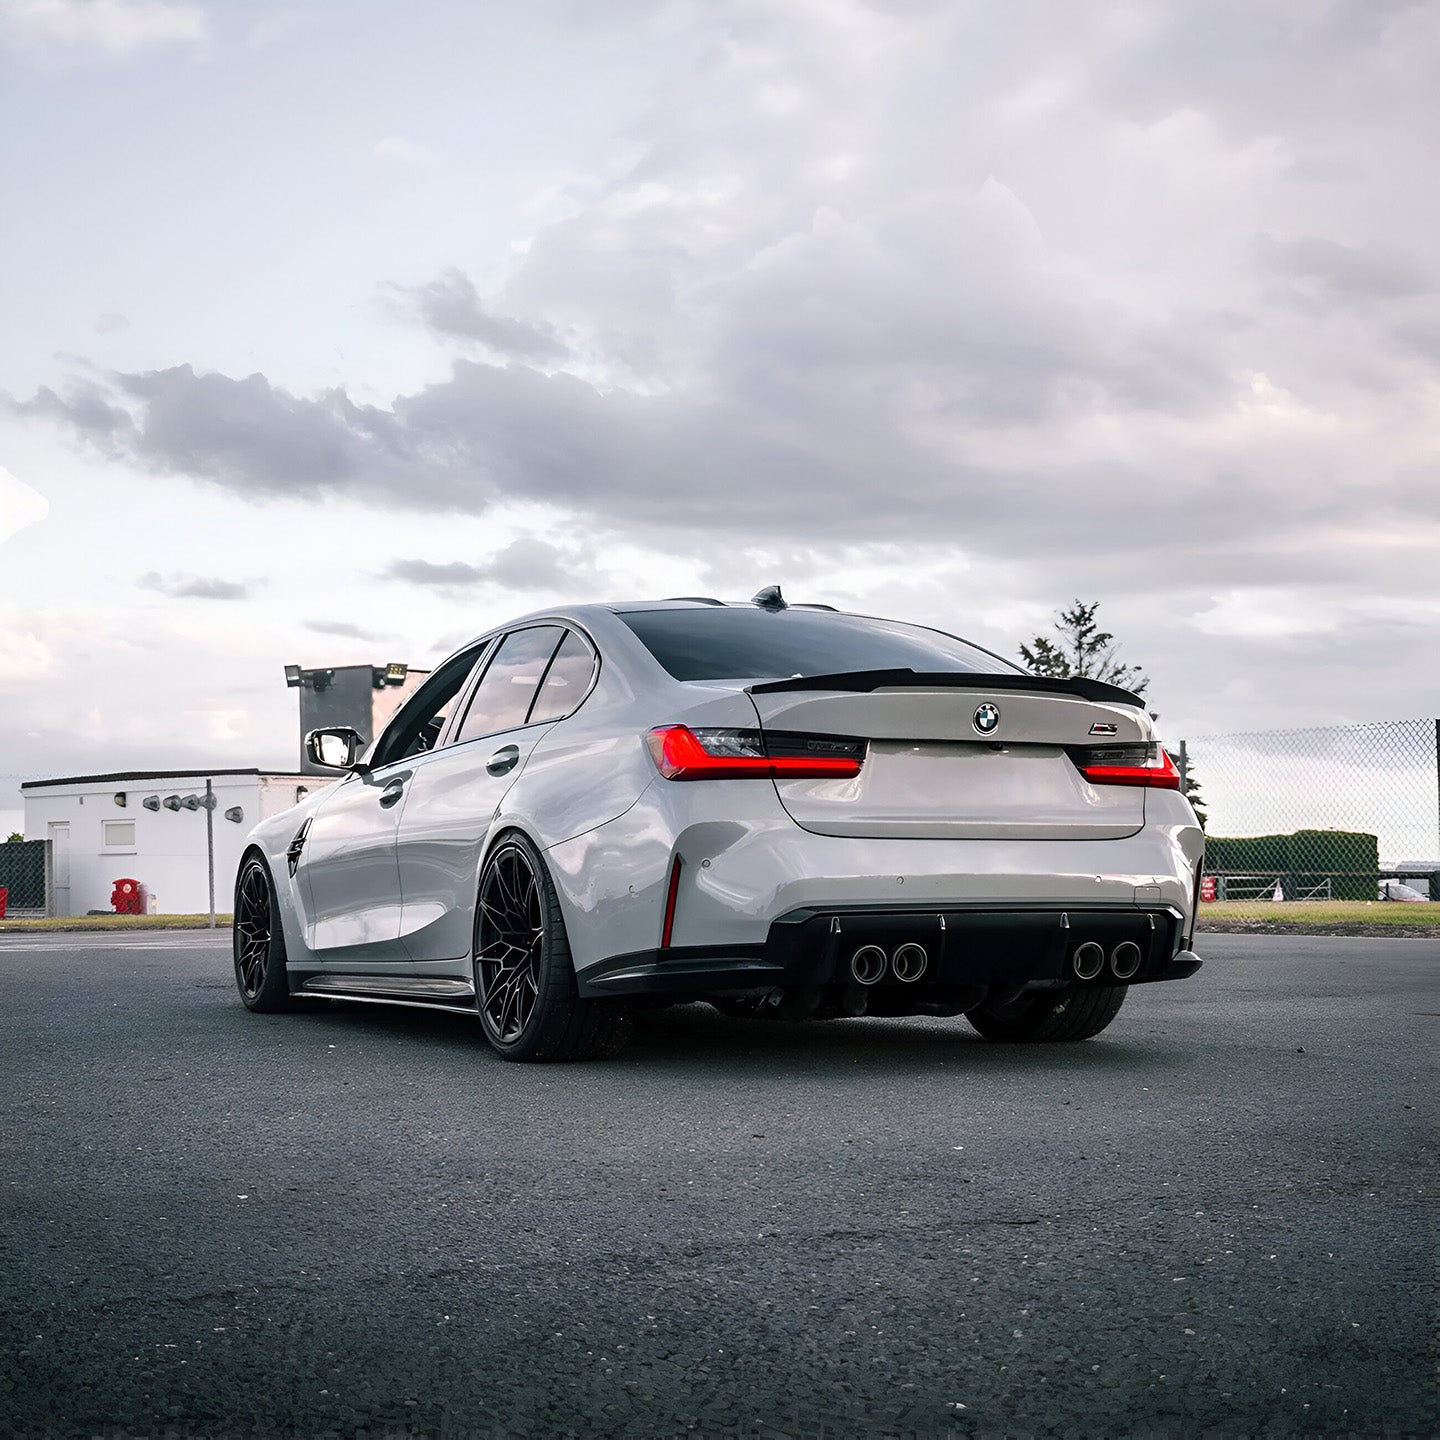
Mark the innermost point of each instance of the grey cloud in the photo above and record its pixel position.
(344, 629)
(451, 307)
(85, 408)
(816, 455)
(426, 572)
(195, 587)
(1421, 334)
(527, 563)
(110, 323)
(1257, 66)
(252, 436)
(1314, 273)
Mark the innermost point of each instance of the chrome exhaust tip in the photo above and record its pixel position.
(909, 962)
(867, 965)
(1125, 959)
(1088, 960)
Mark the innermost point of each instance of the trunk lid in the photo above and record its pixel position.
(934, 771)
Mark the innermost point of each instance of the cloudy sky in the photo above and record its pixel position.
(336, 333)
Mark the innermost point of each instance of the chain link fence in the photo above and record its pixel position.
(22, 877)
(1343, 812)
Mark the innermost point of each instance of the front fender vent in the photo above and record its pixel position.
(292, 852)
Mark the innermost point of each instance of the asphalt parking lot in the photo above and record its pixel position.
(1216, 1218)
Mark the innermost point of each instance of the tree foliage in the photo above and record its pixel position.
(1190, 789)
(15, 838)
(1082, 648)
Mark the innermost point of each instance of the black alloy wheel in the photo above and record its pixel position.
(511, 933)
(525, 987)
(258, 941)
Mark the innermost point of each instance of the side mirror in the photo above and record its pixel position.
(335, 748)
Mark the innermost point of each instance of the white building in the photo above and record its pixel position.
(149, 825)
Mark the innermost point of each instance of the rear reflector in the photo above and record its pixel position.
(1146, 765)
(672, 893)
(681, 753)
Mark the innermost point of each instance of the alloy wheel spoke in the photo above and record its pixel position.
(253, 930)
(510, 936)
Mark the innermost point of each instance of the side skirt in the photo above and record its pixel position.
(430, 992)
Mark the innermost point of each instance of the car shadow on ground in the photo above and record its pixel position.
(696, 1040)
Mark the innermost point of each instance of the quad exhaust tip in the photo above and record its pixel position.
(1125, 959)
(1088, 960)
(867, 965)
(909, 962)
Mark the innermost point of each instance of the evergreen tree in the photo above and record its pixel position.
(1082, 649)
(1190, 788)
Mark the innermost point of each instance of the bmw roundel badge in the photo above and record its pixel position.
(987, 718)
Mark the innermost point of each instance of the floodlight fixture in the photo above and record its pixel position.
(151, 802)
(172, 802)
(294, 676)
(235, 813)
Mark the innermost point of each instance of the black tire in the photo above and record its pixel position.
(258, 941)
(1075, 1012)
(530, 1009)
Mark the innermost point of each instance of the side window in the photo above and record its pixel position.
(502, 698)
(566, 682)
(418, 724)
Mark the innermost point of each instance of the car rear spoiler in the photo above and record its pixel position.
(866, 680)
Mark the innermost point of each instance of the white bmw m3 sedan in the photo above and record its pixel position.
(780, 809)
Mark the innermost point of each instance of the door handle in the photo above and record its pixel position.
(505, 759)
(391, 793)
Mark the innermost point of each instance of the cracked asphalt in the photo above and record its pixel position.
(1217, 1218)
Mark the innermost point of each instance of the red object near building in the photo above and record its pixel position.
(128, 897)
(4, 900)
(1207, 887)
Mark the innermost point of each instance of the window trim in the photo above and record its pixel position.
(479, 651)
(496, 642)
(496, 639)
(589, 644)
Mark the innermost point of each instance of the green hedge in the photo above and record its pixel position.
(1349, 859)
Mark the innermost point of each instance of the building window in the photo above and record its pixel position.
(117, 835)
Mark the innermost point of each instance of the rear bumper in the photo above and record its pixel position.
(966, 948)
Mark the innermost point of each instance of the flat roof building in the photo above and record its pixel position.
(149, 825)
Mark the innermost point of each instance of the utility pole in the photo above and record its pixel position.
(1183, 762)
(210, 844)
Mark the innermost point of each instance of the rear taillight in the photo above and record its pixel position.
(1147, 765)
(681, 753)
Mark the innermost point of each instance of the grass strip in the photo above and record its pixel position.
(1300, 913)
(21, 925)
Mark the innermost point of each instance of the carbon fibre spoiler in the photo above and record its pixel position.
(862, 681)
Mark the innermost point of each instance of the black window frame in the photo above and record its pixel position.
(478, 654)
(463, 712)
(589, 690)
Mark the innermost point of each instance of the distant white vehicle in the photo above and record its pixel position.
(782, 810)
(1396, 890)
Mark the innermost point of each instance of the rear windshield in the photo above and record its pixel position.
(744, 643)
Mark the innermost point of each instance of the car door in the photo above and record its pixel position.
(456, 791)
(350, 871)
